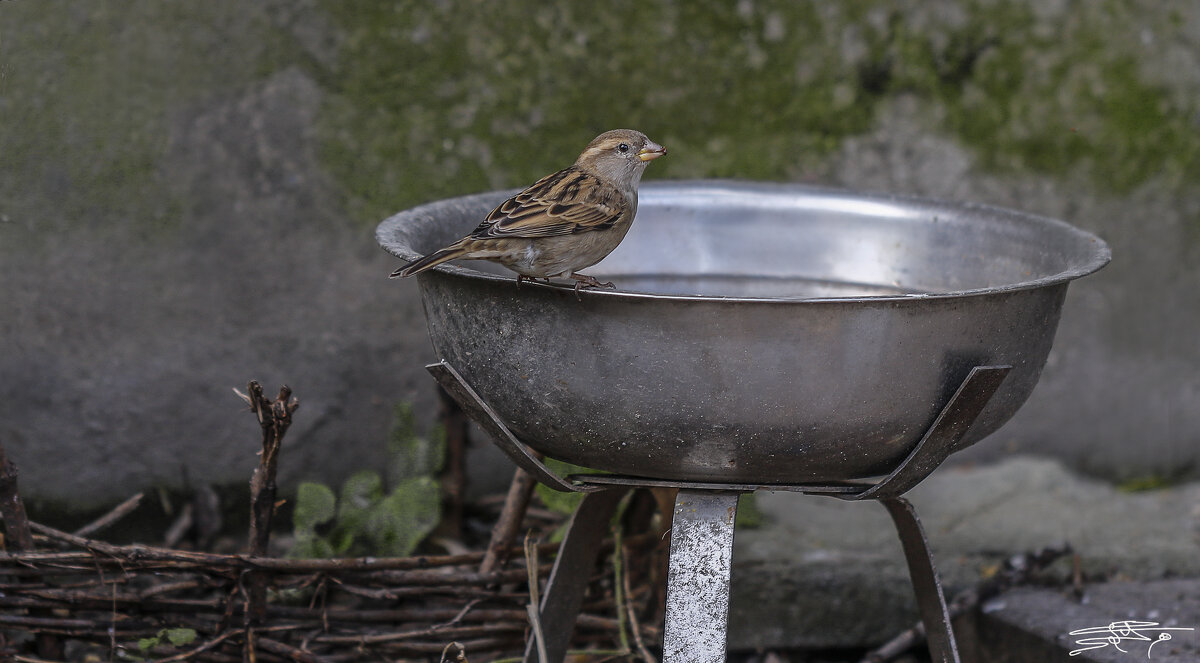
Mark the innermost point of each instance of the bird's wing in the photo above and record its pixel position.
(568, 202)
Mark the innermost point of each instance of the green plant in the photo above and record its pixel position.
(554, 500)
(366, 518)
(176, 637)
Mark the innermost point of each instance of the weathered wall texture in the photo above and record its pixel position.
(188, 192)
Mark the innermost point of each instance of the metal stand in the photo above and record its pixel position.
(569, 575)
(698, 576)
(703, 528)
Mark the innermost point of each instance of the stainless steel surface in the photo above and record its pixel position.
(701, 557)
(845, 489)
(931, 602)
(702, 533)
(572, 569)
(935, 445)
(759, 333)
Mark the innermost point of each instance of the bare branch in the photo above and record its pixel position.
(107, 520)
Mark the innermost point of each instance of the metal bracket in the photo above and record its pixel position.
(695, 629)
(483, 414)
(950, 425)
(935, 446)
(947, 429)
(931, 602)
(571, 572)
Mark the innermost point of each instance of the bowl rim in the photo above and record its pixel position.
(1100, 254)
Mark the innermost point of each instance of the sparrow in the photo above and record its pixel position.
(564, 222)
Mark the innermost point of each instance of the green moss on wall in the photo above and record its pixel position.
(432, 99)
(88, 92)
(1067, 94)
(439, 99)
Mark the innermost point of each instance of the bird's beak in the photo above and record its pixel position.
(651, 152)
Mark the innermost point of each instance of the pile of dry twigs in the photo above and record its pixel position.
(68, 597)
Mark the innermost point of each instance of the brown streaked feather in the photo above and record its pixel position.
(553, 206)
(564, 222)
(430, 261)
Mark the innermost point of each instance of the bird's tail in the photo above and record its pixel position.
(428, 262)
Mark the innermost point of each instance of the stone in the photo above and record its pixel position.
(824, 573)
(1035, 624)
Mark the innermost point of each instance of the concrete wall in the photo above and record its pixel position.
(188, 193)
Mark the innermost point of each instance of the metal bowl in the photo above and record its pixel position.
(764, 333)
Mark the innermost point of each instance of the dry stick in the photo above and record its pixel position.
(414, 634)
(107, 520)
(112, 637)
(534, 609)
(83, 628)
(181, 558)
(183, 656)
(459, 657)
(311, 616)
(20, 537)
(453, 477)
(462, 613)
(432, 578)
(408, 616)
(179, 529)
(647, 657)
(250, 650)
(274, 417)
(107, 555)
(505, 532)
(95, 599)
(479, 646)
(206, 515)
(620, 584)
(462, 592)
(511, 621)
(393, 581)
(16, 523)
(284, 649)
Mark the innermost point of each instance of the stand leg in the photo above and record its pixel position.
(930, 601)
(569, 577)
(698, 577)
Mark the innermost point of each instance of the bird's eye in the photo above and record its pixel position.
(623, 147)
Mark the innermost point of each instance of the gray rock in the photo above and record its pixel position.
(827, 573)
(1030, 624)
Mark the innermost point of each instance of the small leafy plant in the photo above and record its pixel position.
(367, 518)
(176, 637)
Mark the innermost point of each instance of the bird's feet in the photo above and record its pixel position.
(583, 281)
(531, 279)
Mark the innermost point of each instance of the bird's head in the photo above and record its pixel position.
(620, 155)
